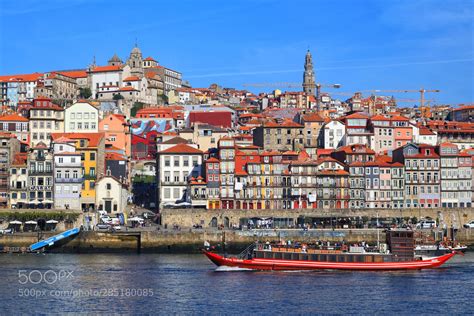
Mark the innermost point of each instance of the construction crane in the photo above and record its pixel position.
(422, 92)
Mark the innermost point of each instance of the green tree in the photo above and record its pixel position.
(136, 106)
(85, 93)
(118, 97)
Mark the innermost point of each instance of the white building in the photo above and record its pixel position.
(111, 195)
(334, 135)
(107, 76)
(68, 174)
(176, 166)
(81, 117)
(423, 135)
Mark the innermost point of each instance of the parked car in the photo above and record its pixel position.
(102, 213)
(103, 227)
(426, 224)
(106, 219)
(469, 225)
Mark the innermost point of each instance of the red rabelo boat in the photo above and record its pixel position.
(397, 254)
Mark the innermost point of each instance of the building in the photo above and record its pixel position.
(111, 195)
(107, 78)
(117, 132)
(91, 147)
(284, 136)
(313, 132)
(204, 135)
(81, 117)
(68, 174)
(15, 124)
(45, 118)
(40, 177)
(358, 130)
(18, 188)
(213, 183)
(9, 147)
(334, 134)
(176, 166)
(422, 175)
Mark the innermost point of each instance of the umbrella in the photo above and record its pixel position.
(47, 202)
(52, 221)
(16, 223)
(31, 222)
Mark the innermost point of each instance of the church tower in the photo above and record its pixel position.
(309, 83)
(135, 61)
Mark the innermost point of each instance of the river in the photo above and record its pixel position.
(189, 284)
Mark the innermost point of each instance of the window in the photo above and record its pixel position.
(176, 162)
(79, 125)
(167, 161)
(92, 156)
(167, 192)
(92, 171)
(108, 186)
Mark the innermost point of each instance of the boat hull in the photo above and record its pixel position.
(287, 265)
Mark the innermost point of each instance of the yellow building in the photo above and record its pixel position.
(91, 146)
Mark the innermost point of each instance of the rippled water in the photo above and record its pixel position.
(189, 284)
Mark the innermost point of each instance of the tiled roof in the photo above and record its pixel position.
(181, 149)
(93, 138)
(313, 117)
(132, 78)
(106, 68)
(21, 78)
(13, 118)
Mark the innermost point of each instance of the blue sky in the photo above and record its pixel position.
(362, 45)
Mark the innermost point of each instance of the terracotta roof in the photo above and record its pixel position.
(357, 116)
(212, 159)
(21, 78)
(63, 140)
(132, 78)
(285, 123)
(149, 58)
(426, 131)
(313, 117)
(67, 153)
(181, 149)
(379, 118)
(128, 88)
(13, 118)
(106, 68)
(176, 140)
(93, 138)
(74, 73)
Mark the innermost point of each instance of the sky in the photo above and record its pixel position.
(362, 45)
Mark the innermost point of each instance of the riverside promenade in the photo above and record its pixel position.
(177, 235)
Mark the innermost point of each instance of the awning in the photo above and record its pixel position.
(16, 223)
(52, 221)
(31, 223)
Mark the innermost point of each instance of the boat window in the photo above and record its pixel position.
(268, 255)
(304, 256)
(314, 257)
(277, 255)
(294, 256)
(341, 258)
(287, 256)
(323, 258)
(360, 258)
(332, 258)
(350, 258)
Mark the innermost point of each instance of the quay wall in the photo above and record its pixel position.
(189, 217)
(191, 241)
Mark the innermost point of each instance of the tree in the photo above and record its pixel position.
(136, 106)
(164, 98)
(85, 93)
(118, 96)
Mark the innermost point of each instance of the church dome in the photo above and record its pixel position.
(136, 50)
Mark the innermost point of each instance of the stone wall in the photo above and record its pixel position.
(189, 217)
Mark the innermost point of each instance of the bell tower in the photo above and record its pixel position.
(309, 83)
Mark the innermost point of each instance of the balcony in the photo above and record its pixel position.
(39, 172)
(69, 180)
(90, 177)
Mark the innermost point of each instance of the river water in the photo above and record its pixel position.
(189, 284)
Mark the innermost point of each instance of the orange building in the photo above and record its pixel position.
(117, 132)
